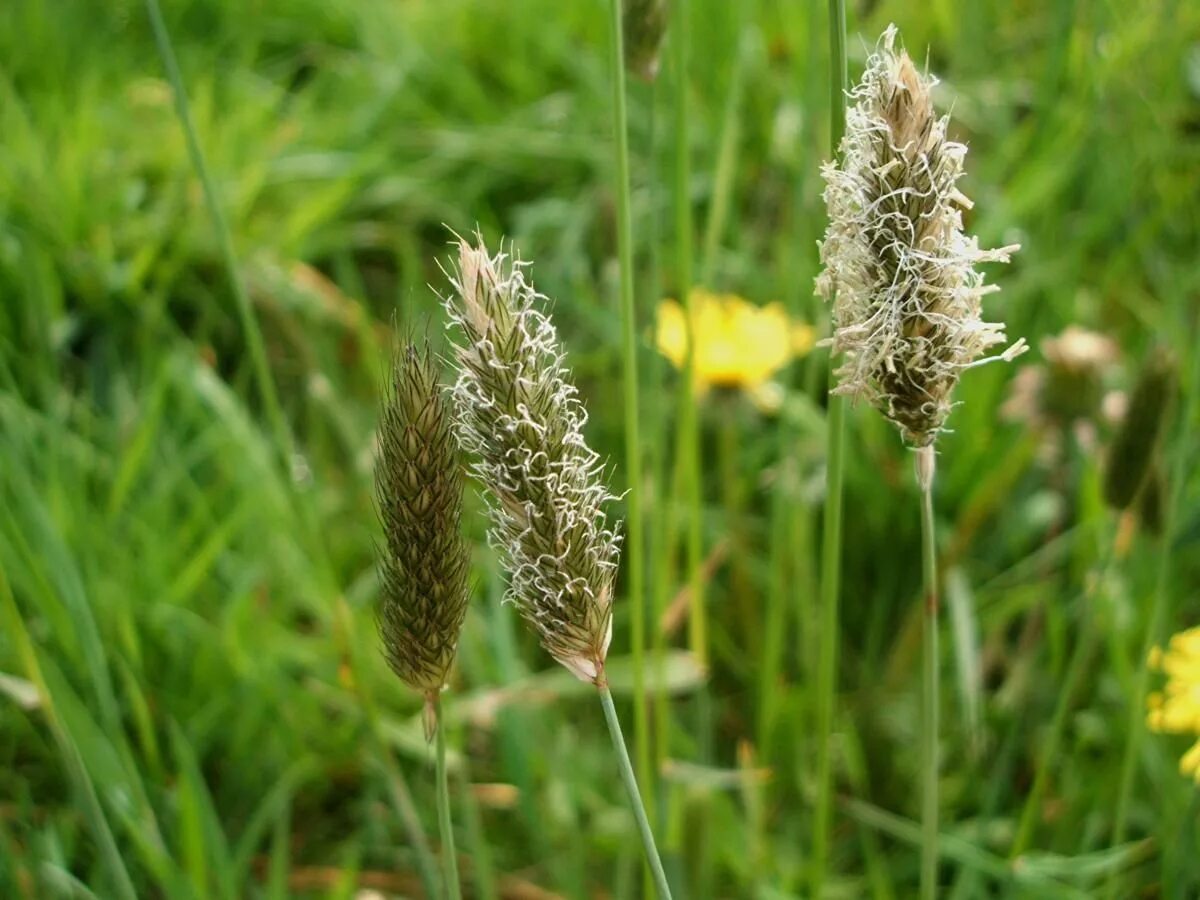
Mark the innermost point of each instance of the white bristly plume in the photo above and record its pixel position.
(521, 420)
(899, 269)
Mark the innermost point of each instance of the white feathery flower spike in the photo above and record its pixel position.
(907, 297)
(520, 418)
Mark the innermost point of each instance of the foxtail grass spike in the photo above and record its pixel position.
(1136, 441)
(424, 561)
(1151, 501)
(520, 418)
(898, 267)
(645, 24)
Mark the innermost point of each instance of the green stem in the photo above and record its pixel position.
(349, 646)
(402, 801)
(633, 442)
(831, 540)
(689, 426)
(635, 797)
(930, 694)
(249, 324)
(445, 826)
(1076, 668)
(1160, 609)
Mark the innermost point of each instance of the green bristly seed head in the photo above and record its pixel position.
(1136, 442)
(520, 418)
(424, 562)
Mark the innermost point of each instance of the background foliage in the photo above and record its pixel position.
(192, 698)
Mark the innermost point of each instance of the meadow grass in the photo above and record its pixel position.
(192, 703)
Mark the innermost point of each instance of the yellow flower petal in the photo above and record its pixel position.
(738, 344)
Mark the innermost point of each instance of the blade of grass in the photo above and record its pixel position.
(93, 813)
(634, 546)
(831, 539)
(251, 331)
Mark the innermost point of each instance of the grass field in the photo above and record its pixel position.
(192, 699)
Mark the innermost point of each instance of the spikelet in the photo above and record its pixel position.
(1136, 441)
(644, 23)
(520, 417)
(424, 562)
(898, 268)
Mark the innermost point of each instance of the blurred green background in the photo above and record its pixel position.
(192, 702)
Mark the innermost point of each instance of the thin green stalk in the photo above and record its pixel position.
(1076, 668)
(397, 785)
(831, 540)
(1159, 612)
(633, 444)
(249, 324)
(930, 696)
(445, 826)
(689, 424)
(402, 802)
(660, 541)
(635, 797)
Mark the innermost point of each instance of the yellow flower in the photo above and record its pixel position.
(738, 344)
(1176, 709)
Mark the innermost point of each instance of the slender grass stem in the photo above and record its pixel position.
(633, 443)
(406, 809)
(249, 324)
(445, 826)
(635, 797)
(1077, 665)
(930, 693)
(397, 785)
(831, 541)
(1159, 611)
(689, 428)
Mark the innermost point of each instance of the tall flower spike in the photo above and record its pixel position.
(520, 417)
(424, 561)
(898, 268)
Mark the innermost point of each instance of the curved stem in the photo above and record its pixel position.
(635, 797)
(445, 826)
(930, 694)
(831, 540)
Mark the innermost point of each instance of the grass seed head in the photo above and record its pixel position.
(424, 561)
(899, 269)
(644, 23)
(520, 418)
(1151, 501)
(1135, 444)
